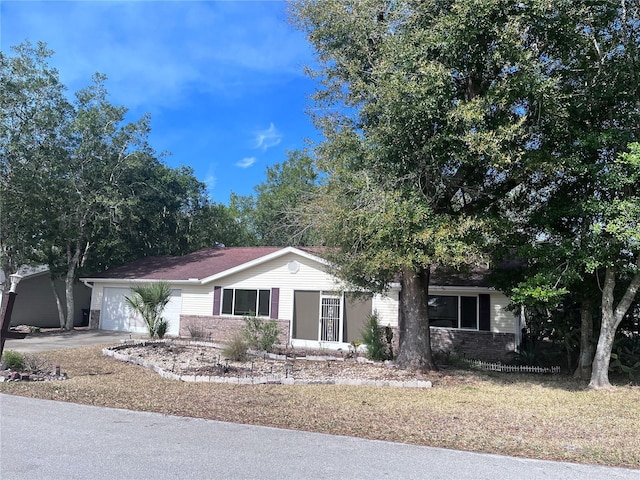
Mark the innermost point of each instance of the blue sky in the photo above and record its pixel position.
(222, 80)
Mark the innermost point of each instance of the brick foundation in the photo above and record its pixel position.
(221, 329)
(488, 346)
(473, 344)
(94, 319)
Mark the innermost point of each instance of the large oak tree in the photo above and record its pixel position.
(429, 110)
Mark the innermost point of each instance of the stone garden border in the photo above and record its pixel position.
(265, 380)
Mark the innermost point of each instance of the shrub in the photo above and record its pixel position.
(161, 327)
(36, 364)
(149, 301)
(196, 331)
(377, 339)
(235, 349)
(14, 360)
(536, 353)
(259, 334)
(625, 356)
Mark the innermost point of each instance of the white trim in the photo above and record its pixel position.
(261, 260)
(319, 345)
(138, 280)
(459, 296)
(454, 288)
(335, 296)
(233, 302)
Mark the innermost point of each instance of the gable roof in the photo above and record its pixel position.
(209, 264)
(198, 266)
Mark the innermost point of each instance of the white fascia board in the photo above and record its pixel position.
(264, 259)
(454, 289)
(192, 281)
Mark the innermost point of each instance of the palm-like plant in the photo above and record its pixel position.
(150, 301)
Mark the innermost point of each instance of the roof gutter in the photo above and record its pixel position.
(191, 281)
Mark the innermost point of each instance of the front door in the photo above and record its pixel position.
(330, 318)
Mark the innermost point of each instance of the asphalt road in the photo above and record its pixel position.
(41, 439)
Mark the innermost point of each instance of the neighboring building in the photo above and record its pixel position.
(214, 289)
(35, 303)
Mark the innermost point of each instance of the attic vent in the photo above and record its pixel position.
(293, 266)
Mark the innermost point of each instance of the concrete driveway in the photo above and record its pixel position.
(41, 342)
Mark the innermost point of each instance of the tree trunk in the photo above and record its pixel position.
(611, 318)
(68, 283)
(61, 313)
(73, 262)
(415, 338)
(585, 360)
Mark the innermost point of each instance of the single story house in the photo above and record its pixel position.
(35, 303)
(214, 289)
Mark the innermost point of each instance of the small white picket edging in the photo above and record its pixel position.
(499, 367)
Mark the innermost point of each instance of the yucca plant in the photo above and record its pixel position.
(149, 301)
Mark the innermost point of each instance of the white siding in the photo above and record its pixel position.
(197, 300)
(386, 306)
(275, 274)
(502, 320)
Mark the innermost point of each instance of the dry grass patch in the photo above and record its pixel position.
(537, 417)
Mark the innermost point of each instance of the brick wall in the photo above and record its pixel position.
(475, 344)
(221, 329)
(94, 319)
(489, 346)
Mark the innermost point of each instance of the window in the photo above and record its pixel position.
(246, 302)
(452, 311)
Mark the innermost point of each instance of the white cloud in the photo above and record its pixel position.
(268, 138)
(161, 52)
(246, 162)
(210, 181)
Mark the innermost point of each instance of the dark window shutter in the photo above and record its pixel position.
(484, 311)
(216, 300)
(275, 300)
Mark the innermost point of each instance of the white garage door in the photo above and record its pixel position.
(172, 313)
(117, 315)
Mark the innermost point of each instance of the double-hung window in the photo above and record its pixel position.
(453, 311)
(236, 301)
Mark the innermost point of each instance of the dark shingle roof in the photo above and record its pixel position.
(212, 261)
(475, 277)
(200, 264)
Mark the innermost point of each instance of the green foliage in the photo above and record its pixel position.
(432, 111)
(161, 327)
(149, 300)
(625, 356)
(260, 334)
(14, 360)
(537, 290)
(104, 197)
(236, 349)
(377, 339)
(536, 354)
(275, 212)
